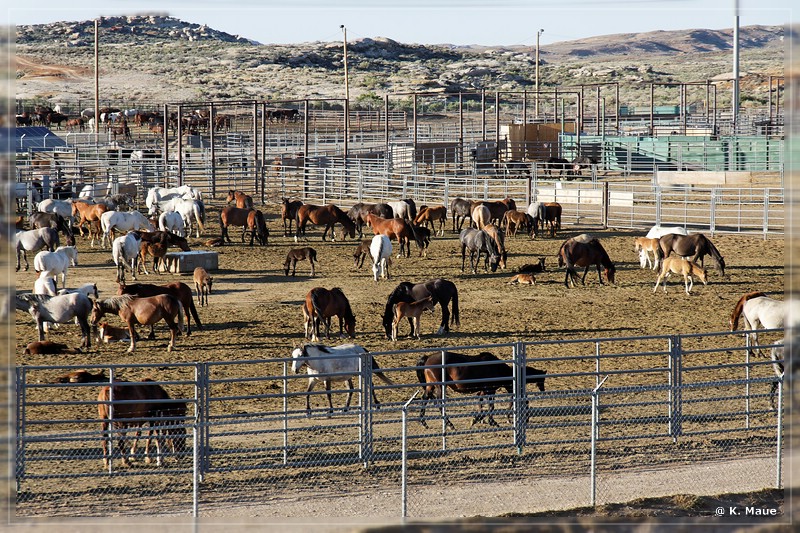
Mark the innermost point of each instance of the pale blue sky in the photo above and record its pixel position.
(487, 22)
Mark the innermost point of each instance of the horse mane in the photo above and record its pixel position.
(739, 307)
(115, 303)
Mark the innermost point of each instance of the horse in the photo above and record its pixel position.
(483, 374)
(585, 252)
(328, 364)
(157, 195)
(534, 268)
(555, 163)
(189, 209)
(49, 348)
(112, 221)
(645, 246)
(326, 216)
(358, 214)
(53, 220)
(441, 290)
(656, 232)
(480, 216)
(107, 333)
(81, 376)
(405, 209)
(478, 242)
(499, 237)
(202, 284)
(299, 254)
(548, 213)
(61, 207)
(395, 228)
(157, 249)
(497, 208)
(145, 311)
(34, 240)
(140, 403)
(178, 289)
(235, 216)
(430, 215)
(257, 226)
(243, 201)
(86, 212)
(165, 237)
(60, 309)
(513, 221)
(57, 262)
(125, 250)
(381, 251)
(289, 213)
(756, 308)
(45, 284)
(413, 311)
(172, 222)
(687, 269)
(321, 304)
(693, 247)
(522, 279)
(460, 210)
(361, 252)
(423, 235)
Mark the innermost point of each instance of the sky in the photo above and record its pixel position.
(461, 22)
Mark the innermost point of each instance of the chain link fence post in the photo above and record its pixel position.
(404, 458)
(779, 439)
(593, 468)
(675, 384)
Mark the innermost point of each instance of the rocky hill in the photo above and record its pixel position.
(160, 58)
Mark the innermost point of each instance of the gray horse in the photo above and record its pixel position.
(34, 240)
(478, 242)
(60, 309)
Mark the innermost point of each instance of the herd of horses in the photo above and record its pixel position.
(403, 222)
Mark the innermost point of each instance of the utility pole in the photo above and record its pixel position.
(96, 81)
(735, 95)
(536, 110)
(346, 79)
(346, 97)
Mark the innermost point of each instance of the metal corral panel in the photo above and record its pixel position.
(178, 262)
(33, 138)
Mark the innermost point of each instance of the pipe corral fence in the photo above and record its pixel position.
(696, 414)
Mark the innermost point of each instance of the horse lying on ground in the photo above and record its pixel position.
(523, 279)
(49, 348)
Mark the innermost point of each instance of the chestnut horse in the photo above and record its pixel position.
(321, 304)
(326, 216)
(86, 212)
(429, 215)
(243, 201)
(178, 289)
(145, 311)
(395, 228)
(247, 218)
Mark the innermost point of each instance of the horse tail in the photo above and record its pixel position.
(315, 303)
(200, 215)
(376, 370)
(739, 307)
(421, 371)
(193, 311)
(454, 319)
(417, 238)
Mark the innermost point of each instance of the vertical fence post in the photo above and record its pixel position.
(675, 378)
(285, 416)
(593, 461)
(520, 396)
(766, 213)
(404, 457)
(196, 445)
(779, 439)
(21, 390)
(712, 223)
(443, 400)
(366, 408)
(110, 428)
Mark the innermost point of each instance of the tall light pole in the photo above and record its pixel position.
(538, 34)
(346, 97)
(346, 79)
(735, 95)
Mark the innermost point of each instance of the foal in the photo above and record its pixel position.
(679, 265)
(299, 254)
(645, 246)
(411, 310)
(202, 284)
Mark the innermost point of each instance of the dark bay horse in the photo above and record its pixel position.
(326, 216)
(236, 216)
(257, 226)
(299, 254)
(396, 228)
(140, 403)
(584, 251)
(459, 373)
(244, 201)
(321, 304)
(441, 290)
(178, 289)
(289, 213)
(693, 247)
(144, 311)
(358, 214)
(478, 242)
(164, 237)
(460, 210)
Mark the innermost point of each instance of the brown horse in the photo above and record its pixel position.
(413, 311)
(361, 253)
(461, 373)
(289, 213)
(395, 228)
(326, 216)
(429, 215)
(178, 289)
(321, 304)
(584, 251)
(497, 208)
(87, 213)
(299, 254)
(513, 221)
(499, 237)
(140, 403)
(247, 219)
(144, 311)
(257, 226)
(157, 249)
(243, 201)
(693, 247)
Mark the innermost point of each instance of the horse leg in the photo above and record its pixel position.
(173, 333)
(417, 327)
(688, 283)
(104, 444)
(132, 333)
(480, 416)
(330, 398)
(294, 266)
(311, 383)
(313, 273)
(349, 396)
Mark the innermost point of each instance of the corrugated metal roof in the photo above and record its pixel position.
(32, 138)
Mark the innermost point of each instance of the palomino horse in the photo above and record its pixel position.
(144, 311)
(243, 201)
(460, 209)
(482, 374)
(429, 216)
(395, 228)
(646, 246)
(480, 216)
(413, 311)
(693, 247)
(86, 212)
(34, 240)
(679, 265)
(299, 254)
(289, 213)
(756, 308)
(442, 291)
(60, 309)
(478, 242)
(358, 214)
(583, 251)
(328, 364)
(140, 403)
(321, 304)
(178, 289)
(326, 216)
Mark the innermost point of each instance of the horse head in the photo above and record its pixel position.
(610, 271)
(299, 358)
(536, 376)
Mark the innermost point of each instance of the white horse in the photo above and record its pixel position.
(57, 262)
(125, 252)
(60, 207)
(656, 232)
(188, 209)
(756, 308)
(381, 251)
(87, 289)
(34, 240)
(45, 284)
(172, 221)
(323, 361)
(123, 221)
(158, 195)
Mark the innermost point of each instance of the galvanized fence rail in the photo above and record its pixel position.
(680, 401)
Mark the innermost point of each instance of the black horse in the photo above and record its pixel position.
(441, 290)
